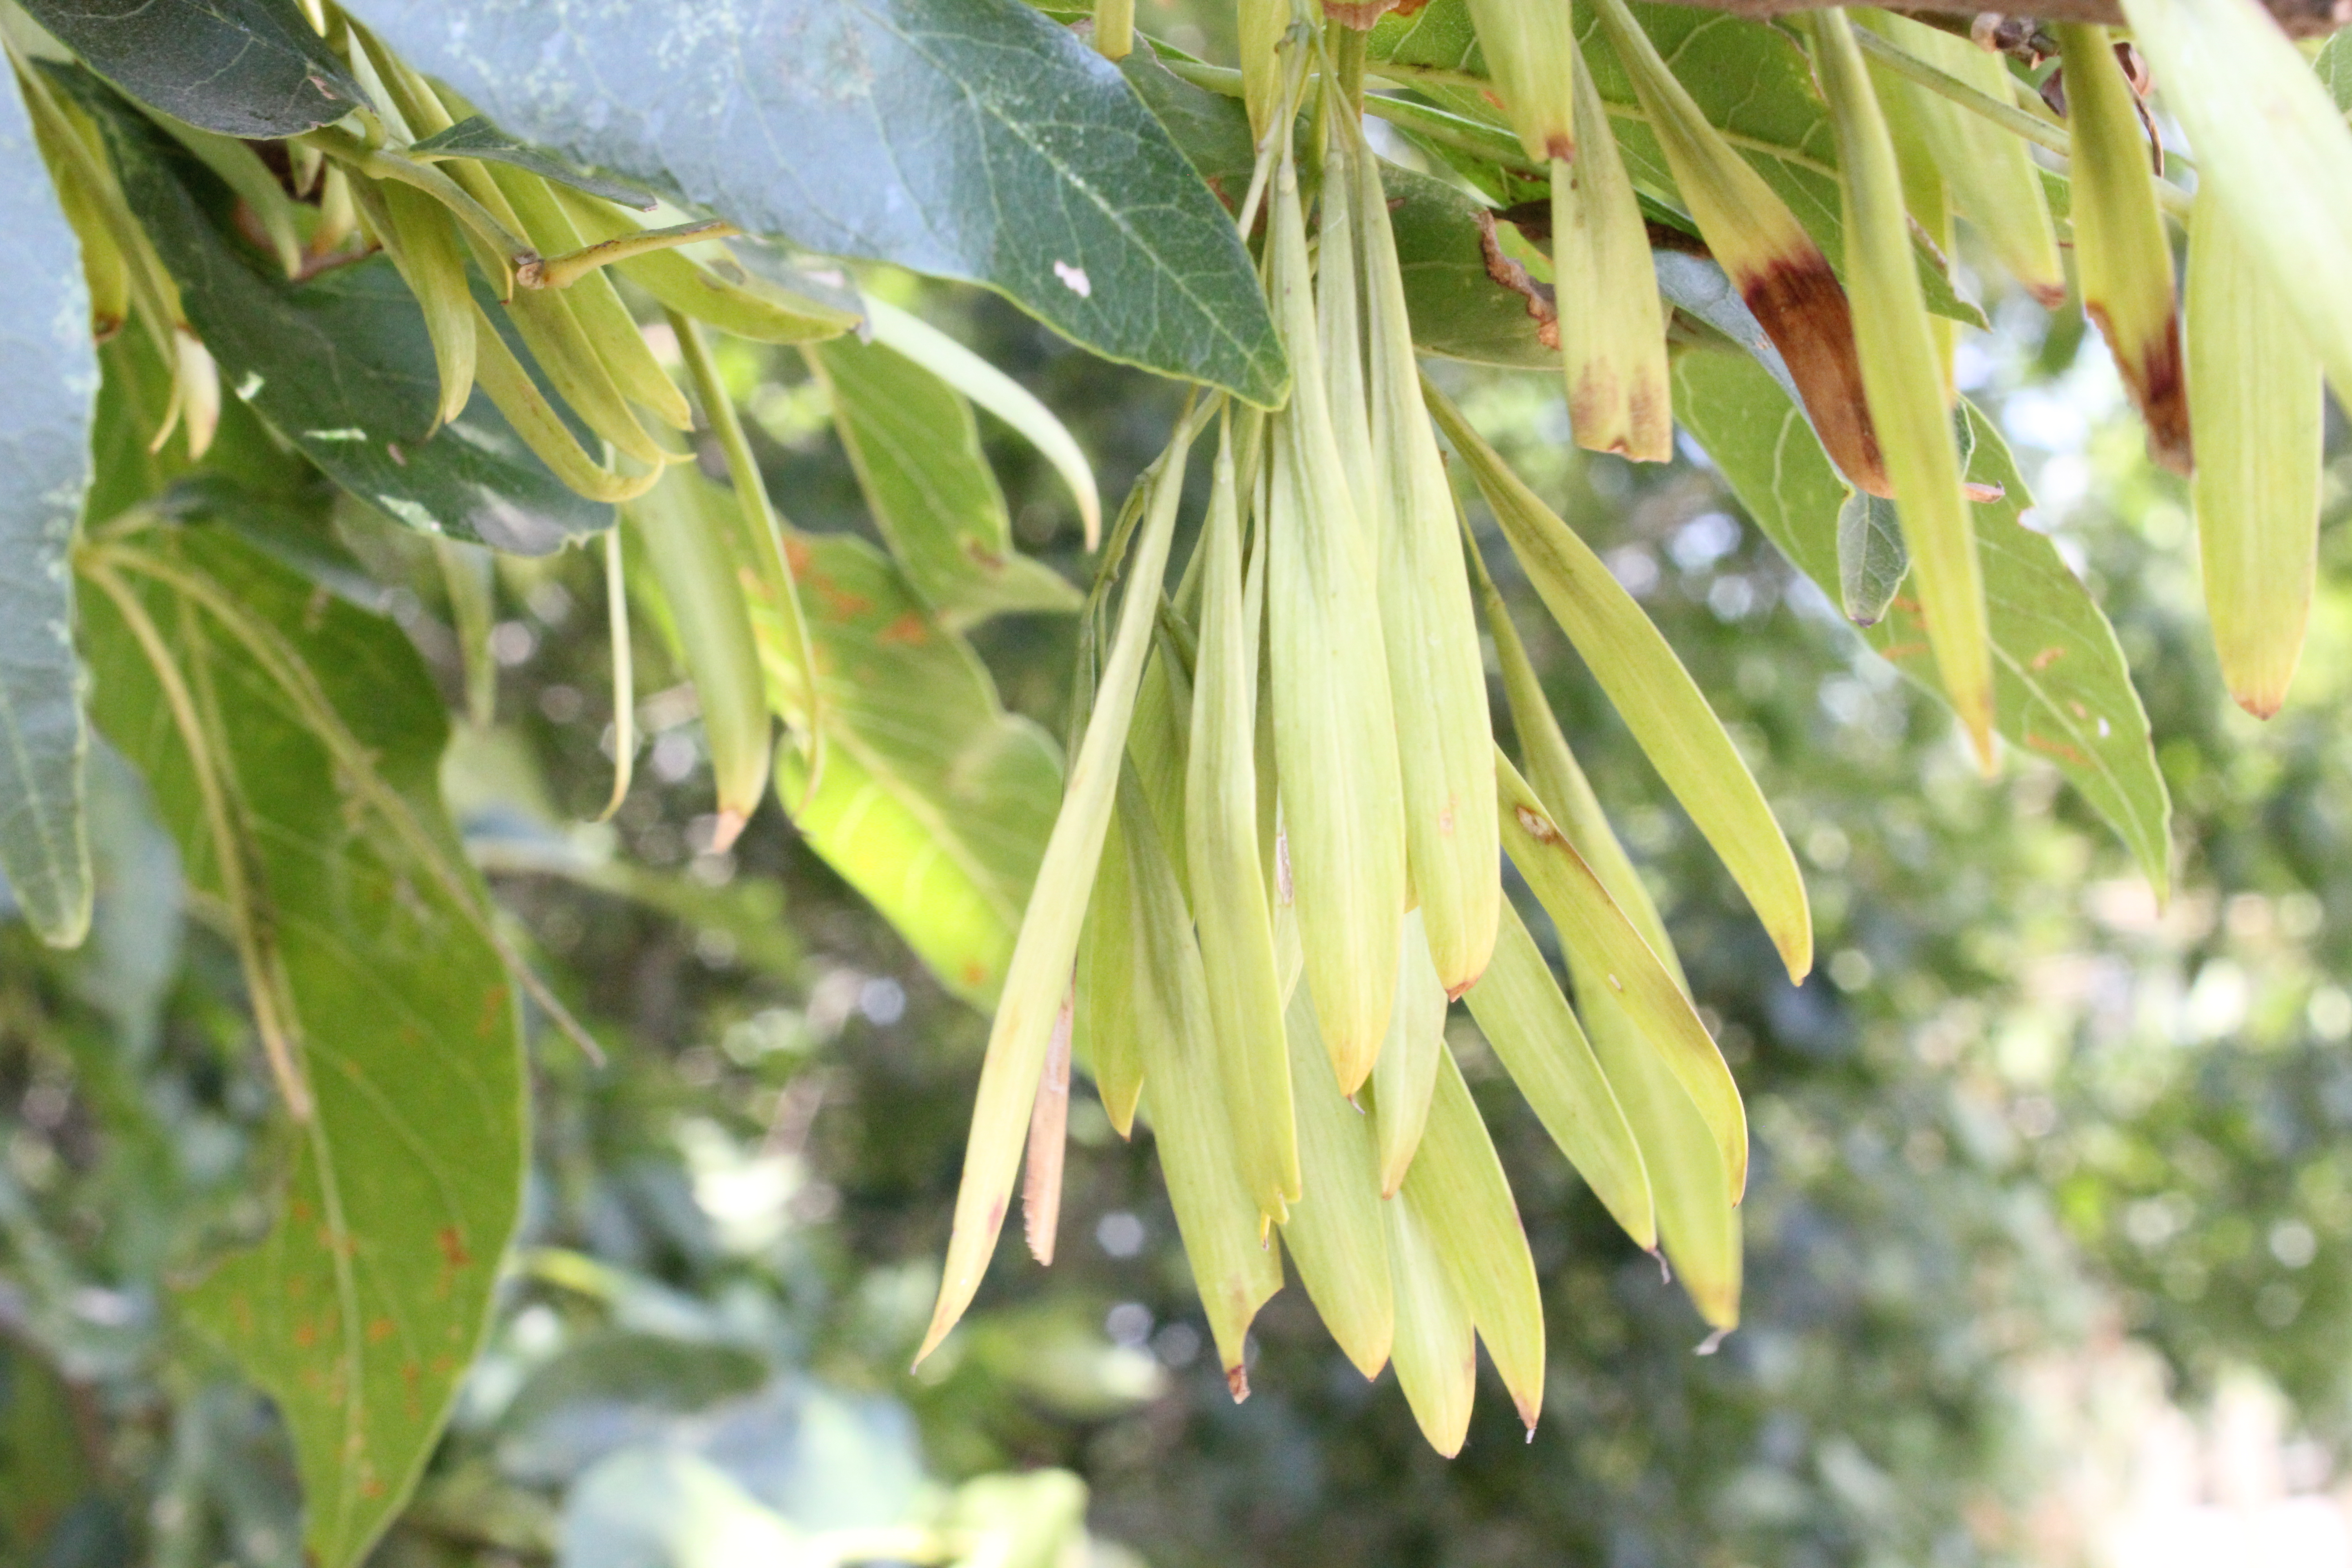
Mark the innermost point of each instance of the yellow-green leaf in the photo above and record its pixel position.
(1459, 1189)
(1592, 923)
(1334, 729)
(2254, 390)
(1904, 374)
(1224, 1236)
(1220, 830)
(1406, 1073)
(1336, 1232)
(1651, 691)
(1040, 972)
(2122, 256)
(2269, 144)
(1437, 680)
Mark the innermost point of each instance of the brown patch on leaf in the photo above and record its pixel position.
(1802, 308)
(1363, 15)
(1238, 1382)
(2153, 374)
(1538, 827)
(1514, 277)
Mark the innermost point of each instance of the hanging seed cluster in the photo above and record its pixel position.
(1279, 858)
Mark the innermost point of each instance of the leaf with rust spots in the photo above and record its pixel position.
(933, 802)
(915, 446)
(405, 1186)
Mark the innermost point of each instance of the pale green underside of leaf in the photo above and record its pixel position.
(367, 1299)
(968, 139)
(45, 468)
(2061, 685)
(915, 446)
(942, 812)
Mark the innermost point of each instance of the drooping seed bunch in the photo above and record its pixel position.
(1280, 853)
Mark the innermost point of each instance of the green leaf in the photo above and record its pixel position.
(915, 446)
(367, 1298)
(934, 802)
(1458, 308)
(46, 1479)
(968, 139)
(250, 68)
(1751, 79)
(46, 412)
(339, 365)
(2334, 68)
(475, 137)
(1651, 691)
(1871, 559)
(2060, 686)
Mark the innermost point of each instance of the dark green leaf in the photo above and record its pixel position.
(45, 468)
(46, 1469)
(915, 446)
(2334, 68)
(253, 68)
(475, 137)
(341, 364)
(968, 139)
(362, 1307)
(1459, 309)
(2059, 681)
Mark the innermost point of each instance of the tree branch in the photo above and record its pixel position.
(2300, 18)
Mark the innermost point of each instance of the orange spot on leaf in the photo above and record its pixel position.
(908, 630)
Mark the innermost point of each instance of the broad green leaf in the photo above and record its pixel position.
(339, 365)
(45, 413)
(2060, 686)
(1458, 307)
(1751, 79)
(916, 447)
(942, 808)
(2334, 67)
(997, 394)
(47, 1482)
(475, 137)
(1519, 1009)
(250, 68)
(970, 139)
(1593, 926)
(364, 1303)
(1651, 691)
(1458, 1188)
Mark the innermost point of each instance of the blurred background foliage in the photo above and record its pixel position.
(2023, 1139)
